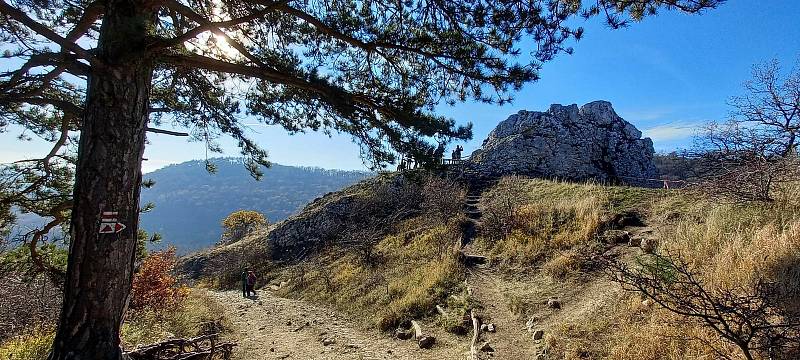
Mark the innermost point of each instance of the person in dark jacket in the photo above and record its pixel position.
(251, 283)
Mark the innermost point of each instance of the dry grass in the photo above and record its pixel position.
(531, 222)
(34, 344)
(415, 270)
(731, 246)
(199, 314)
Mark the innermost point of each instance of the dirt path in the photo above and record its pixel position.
(511, 339)
(272, 327)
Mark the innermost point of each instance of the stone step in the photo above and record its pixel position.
(474, 214)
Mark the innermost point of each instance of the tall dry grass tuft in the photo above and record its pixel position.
(416, 270)
(540, 230)
(731, 249)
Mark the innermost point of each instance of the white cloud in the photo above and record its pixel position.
(672, 131)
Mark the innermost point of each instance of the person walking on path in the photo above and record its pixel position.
(244, 283)
(251, 283)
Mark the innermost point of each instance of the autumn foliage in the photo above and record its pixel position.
(154, 287)
(240, 223)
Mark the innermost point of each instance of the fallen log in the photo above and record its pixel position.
(424, 341)
(203, 347)
(476, 334)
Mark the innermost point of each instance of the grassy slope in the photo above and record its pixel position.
(538, 232)
(729, 245)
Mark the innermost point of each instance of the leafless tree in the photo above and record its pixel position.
(745, 157)
(771, 107)
(754, 318)
(739, 163)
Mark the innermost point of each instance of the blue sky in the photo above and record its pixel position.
(666, 75)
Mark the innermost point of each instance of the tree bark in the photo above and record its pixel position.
(108, 179)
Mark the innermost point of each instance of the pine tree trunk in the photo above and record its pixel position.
(108, 178)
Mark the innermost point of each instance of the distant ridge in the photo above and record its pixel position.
(190, 203)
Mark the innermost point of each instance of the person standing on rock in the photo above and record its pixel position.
(251, 283)
(457, 152)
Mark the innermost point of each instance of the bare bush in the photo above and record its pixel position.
(756, 149)
(501, 206)
(442, 198)
(754, 318)
(26, 303)
(736, 163)
(371, 217)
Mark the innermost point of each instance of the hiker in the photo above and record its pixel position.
(251, 283)
(438, 154)
(457, 152)
(244, 283)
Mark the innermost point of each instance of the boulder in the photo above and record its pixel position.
(616, 237)
(649, 245)
(567, 142)
(485, 347)
(426, 342)
(538, 334)
(635, 241)
(553, 303)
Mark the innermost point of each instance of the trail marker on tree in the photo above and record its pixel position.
(109, 223)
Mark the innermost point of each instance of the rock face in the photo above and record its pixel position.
(567, 142)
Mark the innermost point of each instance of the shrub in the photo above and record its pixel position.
(240, 223)
(199, 314)
(154, 288)
(34, 345)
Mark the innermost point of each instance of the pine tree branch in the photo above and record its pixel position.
(166, 132)
(91, 13)
(200, 19)
(212, 26)
(49, 34)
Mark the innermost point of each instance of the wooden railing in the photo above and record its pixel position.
(453, 161)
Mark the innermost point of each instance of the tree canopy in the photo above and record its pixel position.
(372, 69)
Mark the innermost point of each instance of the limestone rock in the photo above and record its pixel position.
(567, 142)
(325, 219)
(538, 334)
(616, 237)
(490, 328)
(553, 303)
(635, 241)
(485, 347)
(649, 245)
(426, 342)
(531, 324)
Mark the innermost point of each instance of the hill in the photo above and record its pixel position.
(190, 202)
(546, 281)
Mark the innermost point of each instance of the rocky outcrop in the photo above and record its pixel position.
(351, 216)
(567, 142)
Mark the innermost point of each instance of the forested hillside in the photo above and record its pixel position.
(190, 202)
